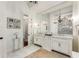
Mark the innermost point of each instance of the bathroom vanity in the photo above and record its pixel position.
(62, 44)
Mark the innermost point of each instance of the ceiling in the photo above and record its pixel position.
(43, 5)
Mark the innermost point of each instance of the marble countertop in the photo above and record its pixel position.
(68, 37)
(56, 36)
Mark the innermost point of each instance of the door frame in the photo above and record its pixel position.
(77, 31)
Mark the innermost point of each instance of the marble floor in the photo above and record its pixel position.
(75, 54)
(29, 51)
(23, 52)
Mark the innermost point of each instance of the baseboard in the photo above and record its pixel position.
(62, 53)
(37, 45)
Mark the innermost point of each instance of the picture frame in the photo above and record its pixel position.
(10, 23)
(17, 23)
(13, 23)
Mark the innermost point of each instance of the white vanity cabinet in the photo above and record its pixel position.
(47, 43)
(55, 44)
(44, 41)
(60, 44)
(38, 40)
(63, 45)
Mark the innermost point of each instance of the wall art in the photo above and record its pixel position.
(13, 23)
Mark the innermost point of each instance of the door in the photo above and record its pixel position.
(36, 40)
(25, 32)
(30, 32)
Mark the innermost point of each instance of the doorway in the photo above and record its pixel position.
(25, 32)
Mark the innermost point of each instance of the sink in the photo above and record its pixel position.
(48, 34)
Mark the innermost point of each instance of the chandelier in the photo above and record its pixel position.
(59, 18)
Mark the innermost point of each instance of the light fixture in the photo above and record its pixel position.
(35, 2)
(31, 3)
(59, 18)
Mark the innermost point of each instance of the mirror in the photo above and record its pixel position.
(65, 27)
(41, 24)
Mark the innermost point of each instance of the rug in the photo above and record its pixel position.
(42, 53)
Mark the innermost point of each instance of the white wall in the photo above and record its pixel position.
(2, 28)
(13, 10)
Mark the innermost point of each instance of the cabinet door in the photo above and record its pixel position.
(64, 46)
(37, 40)
(47, 43)
(56, 44)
